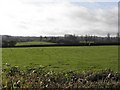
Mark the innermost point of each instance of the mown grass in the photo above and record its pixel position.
(33, 43)
(78, 58)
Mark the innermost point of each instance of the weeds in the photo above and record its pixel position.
(42, 78)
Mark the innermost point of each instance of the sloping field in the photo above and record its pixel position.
(77, 58)
(33, 43)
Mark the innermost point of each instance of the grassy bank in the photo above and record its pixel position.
(33, 43)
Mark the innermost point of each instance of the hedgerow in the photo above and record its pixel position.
(42, 78)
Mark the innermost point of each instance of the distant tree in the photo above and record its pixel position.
(118, 35)
(40, 38)
(4, 43)
(12, 43)
(8, 41)
(108, 36)
(86, 38)
(118, 38)
(71, 39)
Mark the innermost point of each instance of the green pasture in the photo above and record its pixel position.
(33, 43)
(78, 58)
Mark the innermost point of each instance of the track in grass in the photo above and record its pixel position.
(64, 58)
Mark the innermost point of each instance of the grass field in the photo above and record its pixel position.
(64, 58)
(33, 43)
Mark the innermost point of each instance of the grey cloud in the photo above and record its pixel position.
(37, 17)
(98, 21)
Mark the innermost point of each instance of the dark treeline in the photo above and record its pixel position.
(67, 39)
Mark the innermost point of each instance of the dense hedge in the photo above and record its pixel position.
(40, 77)
(6, 43)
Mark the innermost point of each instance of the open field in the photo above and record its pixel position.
(33, 43)
(64, 58)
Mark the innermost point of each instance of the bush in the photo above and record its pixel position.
(8, 43)
(40, 77)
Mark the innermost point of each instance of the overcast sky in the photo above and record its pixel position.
(58, 17)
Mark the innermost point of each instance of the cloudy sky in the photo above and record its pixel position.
(58, 17)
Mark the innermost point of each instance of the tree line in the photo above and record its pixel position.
(8, 41)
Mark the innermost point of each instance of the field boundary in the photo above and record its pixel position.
(54, 45)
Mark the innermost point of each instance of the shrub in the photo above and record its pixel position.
(40, 77)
